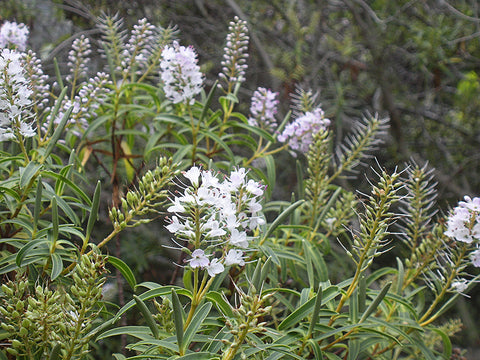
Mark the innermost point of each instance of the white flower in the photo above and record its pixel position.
(215, 231)
(175, 225)
(239, 238)
(14, 34)
(193, 174)
(234, 257)
(475, 257)
(237, 177)
(199, 259)
(15, 101)
(176, 207)
(215, 268)
(463, 224)
(180, 73)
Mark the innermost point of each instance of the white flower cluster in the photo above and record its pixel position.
(13, 35)
(299, 133)
(464, 225)
(215, 217)
(15, 97)
(180, 73)
(92, 94)
(263, 108)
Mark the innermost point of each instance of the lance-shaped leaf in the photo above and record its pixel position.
(374, 304)
(147, 316)
(93, 212)
(178, 318)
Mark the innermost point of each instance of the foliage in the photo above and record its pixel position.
(255, 277)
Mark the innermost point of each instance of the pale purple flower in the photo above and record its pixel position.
(299, 134)
(78, 58)
(199, 259)
(475, 257)
(180, 73)
(263, 109)
(464, 223)
(215, 267)
(139, 46)
(36, 77)
(13, 34)
(235, 55)
(234, 257)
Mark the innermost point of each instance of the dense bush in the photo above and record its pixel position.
(253, 276)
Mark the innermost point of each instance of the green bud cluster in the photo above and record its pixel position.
(150, 194)
(164, 315)
(248, 319)
(37, 318)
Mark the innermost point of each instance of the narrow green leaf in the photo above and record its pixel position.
(300, 180)
(280, 218)
(295, 317)
(28, 173)
(147, 315)
(195, 324)
(178, 318)
(208, 101)
(24, 251)
(265, 269)
(308, 261)
(316, 311)
(58, 74)
(447, 344)
(76, 189)
(55, 354)
(316, 349)
(327, 207)
(57, 265)
(155, 291)
(93, 212)
(119, 357)
(373, 306)
(400, 276)
(353, 349)
(52, 142)
(220, 302)
(219, 141)
(124, 269)
(256, 281)
(353, 307)
(198, 356)
(38, 204)
(362, 293)
(54, 221)
(270, 253)
(139, 332)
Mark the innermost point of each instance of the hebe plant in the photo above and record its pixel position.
(258, 276)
